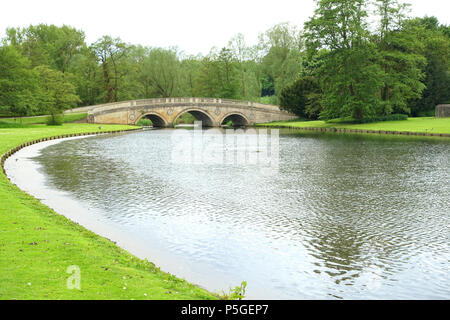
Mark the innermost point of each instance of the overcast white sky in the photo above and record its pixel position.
(193, 25)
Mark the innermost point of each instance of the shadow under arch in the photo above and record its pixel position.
(157, 120)
(198, 114)
(237, 119)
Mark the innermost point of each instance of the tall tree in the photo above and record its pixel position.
(282, 46)
(18, 84)
(218, 76)
(349, 74)
(87, 77)
(56, 94)
(400, 58)
(111, 54)
(161, 72)
(436, 49)
(240, 53)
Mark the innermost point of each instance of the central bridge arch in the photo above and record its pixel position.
(155, 118)
(199, 115)
(237, 119)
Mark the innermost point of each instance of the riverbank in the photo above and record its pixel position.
(426, 126)
(37, 245)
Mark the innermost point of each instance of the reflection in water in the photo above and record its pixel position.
(346, 216)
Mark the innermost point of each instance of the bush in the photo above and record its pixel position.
(390, 117)
(302, 98)
(55, 119)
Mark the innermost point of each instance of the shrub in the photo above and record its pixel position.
(55, 119)
(302, 98)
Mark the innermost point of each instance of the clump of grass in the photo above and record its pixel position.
(237, 293)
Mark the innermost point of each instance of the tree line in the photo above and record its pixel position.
(338, 65)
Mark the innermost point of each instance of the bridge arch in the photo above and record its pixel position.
(238, 119)
(199, 114)
(157, 120)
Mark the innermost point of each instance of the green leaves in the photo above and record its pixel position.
(55, 93)
(348, 73)
(302, 98)
(218, 76)
(17, 83)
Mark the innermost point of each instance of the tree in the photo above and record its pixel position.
(241, 53)
(87, 76)
(47, 44)
(228, 75)
(56, 94)
(161, 72)
(302, 98)
(111, 53)
(436, 49)
(18, 83)
(189, 69)
(218, 76)
(349, 74)
(400, 58)
(282, 61)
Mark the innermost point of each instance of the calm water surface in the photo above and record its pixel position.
(345, 216)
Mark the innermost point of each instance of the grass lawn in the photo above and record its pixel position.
(18, 122)
(37, 246)
(424, 124)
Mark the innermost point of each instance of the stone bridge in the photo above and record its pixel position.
(164, 112)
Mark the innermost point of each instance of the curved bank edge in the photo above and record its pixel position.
(347, 130)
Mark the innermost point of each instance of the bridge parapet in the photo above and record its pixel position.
(164, 101)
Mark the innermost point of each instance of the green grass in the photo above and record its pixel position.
(424, 124)
(23, 122)
(37, 245)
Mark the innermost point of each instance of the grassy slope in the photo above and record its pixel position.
(41, 119)
(434, 125)
(37, 245)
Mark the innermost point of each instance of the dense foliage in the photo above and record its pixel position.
(348, 61)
